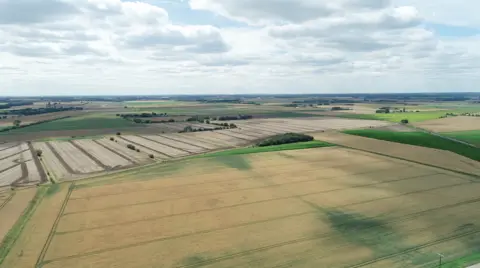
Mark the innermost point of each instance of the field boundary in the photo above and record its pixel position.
(45, 247)
(475, 176)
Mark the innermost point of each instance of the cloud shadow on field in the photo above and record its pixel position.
(375, 234)
(234, 161)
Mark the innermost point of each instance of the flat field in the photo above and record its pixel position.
(420, 139)
(323, 207)
(472, 136)
(452, 124)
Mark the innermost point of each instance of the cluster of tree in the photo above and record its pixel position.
(220, 126)
(234, 117)
(383, 110)
(198, 118)
(11, 104)
(143, 115)
(132, 147)
(225, 125)
(285, 139)
(337, 108)
(220, 100)
(35, 111)
(471, 114)
(16, 123)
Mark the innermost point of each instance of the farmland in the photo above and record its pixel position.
(420, 139)
(193, 188)
(360, 211)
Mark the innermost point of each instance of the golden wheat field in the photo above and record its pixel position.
(325, 207)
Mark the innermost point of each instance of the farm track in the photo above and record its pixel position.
(96, 160)
(24, 176)
(44, 250)
(7, 200)
(62, 161)
(325, 235)
(169, 137)
(38, 164)
(257, 202)
(143, 146)
(183, 150)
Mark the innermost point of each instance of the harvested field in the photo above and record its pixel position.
(52, 164)
(451, 124)
(160, 148)
(175, 144)
(124, 151)
(76, 159)
(18, 166)
(348, 208)
(183, 138)
(442, 159)
(249, 133)
(238, 135)
(12, 210)
(105, 156)
(218, 138)
(307, 124)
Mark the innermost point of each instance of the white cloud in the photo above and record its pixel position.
(114, 46)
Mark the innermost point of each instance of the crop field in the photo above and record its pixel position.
(323, 207)
(472, 136)
(420, 139)
(427, 156)
(13, 207)
(18, 166)
(452, 124)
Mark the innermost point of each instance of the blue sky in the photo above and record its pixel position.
(53, 47)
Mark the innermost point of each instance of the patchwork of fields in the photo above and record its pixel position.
(76, 159)
(19, 165)
(326, 207)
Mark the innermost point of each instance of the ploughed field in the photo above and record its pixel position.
(18, 165)
(71, 160)
(325, 207)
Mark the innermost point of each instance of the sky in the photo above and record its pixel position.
(114, 47)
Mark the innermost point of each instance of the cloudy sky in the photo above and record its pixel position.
(93, 47)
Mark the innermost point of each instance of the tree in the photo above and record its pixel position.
(404, 121)
(17, 123)
(118, 133)
(151, 156)
(112, 138)
(39, 153)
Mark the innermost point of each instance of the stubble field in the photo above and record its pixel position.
(327, 207)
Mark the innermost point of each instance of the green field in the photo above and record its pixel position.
(472, 136)
(464, 262)
(283, 147)
(412, 117)
(97, 121)
(419, 139)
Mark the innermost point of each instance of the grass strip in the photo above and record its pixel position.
(275, 148)
(12, 235)
(464, 261)
(419, 139)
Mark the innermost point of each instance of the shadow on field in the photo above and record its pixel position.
(234, 161)
(375, 234)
